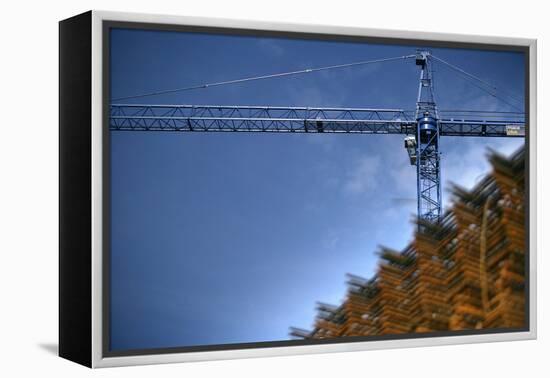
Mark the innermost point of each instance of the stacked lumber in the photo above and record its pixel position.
(465, 272)
(395, 276)
(506, 248)
(362, 313)
(431, 306)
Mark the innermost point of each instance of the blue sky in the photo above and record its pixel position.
(224, 238)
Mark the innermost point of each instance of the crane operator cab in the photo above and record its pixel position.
(428, 129)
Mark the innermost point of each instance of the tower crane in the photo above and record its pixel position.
(422, 127)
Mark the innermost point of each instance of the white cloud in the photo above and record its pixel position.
(330, 242)
(508, 146)
(404, 176)
(326, 141)
(271, 47)
(362, 177)
(467, 165)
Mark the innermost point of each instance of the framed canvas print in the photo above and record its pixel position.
(237, 189)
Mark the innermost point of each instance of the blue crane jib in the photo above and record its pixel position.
(422, 127)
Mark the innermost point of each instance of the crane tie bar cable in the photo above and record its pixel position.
(492, 90)
(270, 76)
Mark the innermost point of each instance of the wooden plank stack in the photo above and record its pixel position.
(466, 272)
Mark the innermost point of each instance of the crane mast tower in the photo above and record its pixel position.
(427, 159)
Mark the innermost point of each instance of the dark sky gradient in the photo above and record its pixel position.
(225, 238)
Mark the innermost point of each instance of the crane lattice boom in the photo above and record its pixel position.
(423, 126)
(135, 117)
